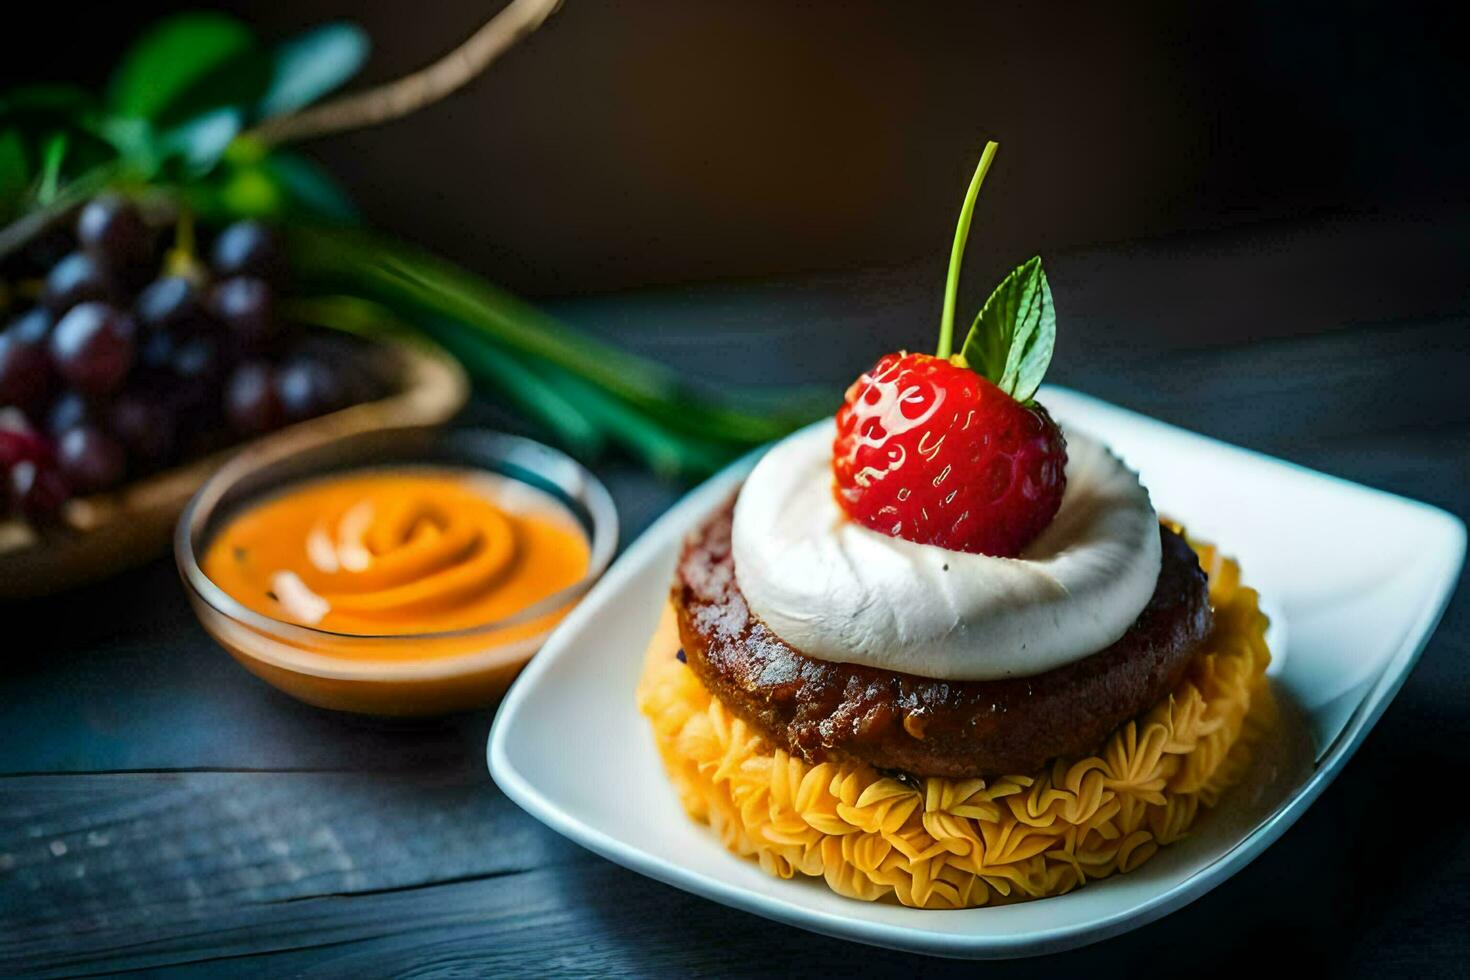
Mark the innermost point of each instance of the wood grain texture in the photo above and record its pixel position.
(164, 811)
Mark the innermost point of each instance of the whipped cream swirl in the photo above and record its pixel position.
(838, 591)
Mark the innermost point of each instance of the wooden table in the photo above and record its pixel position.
(159, 808)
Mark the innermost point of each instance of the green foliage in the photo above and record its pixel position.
(571, 382)
(311, 65)
(1012, 340)
(173, 113)
(177, 116)
(175, 62)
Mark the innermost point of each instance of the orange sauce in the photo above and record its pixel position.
(391, 552)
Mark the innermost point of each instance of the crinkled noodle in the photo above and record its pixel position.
(964, 843)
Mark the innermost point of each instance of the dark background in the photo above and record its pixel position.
(664, 141)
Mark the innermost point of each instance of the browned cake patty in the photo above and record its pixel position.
(823, 710)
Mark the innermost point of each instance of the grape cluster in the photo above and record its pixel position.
(128, 363)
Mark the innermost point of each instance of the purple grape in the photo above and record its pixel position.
(251, 403)
(78, 278)
(92, 348)
(197, 359)
(246, 306)
(42, 252)
(25, 366)
(247, 248)
(69, 410)
(36, 489)
(308, 388)
(157, 351)
(19, 441)
(170, 303)
(112, 230)
(195, 372)
(90, 459)
(146, 428)
(34, 325)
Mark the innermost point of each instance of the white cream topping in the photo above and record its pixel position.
(838, 591)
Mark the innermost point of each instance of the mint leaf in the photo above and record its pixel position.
(175, 57)
(310, 65)
(201, 141)
(1012, 340)
(310, 189)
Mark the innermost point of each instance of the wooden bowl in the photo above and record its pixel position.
(106, 533)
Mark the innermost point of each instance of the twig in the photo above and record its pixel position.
(19, 232)
(412, 92)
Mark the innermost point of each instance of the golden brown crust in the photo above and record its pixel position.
(823, 710)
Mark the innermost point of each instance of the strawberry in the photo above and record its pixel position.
(929, 451)
(951, 450)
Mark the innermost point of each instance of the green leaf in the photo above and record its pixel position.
(15, 170)
(53, 152)
(310, 65)
(133, 140)
(1012, 340)
(311, 189)
(503, 373)
(201, 141)
(175, 56)
(250, 192)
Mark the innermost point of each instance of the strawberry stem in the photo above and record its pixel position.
(956, 254)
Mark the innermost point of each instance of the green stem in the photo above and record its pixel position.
(494, 368)
(15, 235)
(400, 275)
(670, 454)
(957, 252)
(505, 374)
(52, 156)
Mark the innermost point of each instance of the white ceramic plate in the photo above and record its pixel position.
(1360, 578)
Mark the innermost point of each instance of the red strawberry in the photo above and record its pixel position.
(930, 451)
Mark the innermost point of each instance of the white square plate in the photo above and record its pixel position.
(1360, 578)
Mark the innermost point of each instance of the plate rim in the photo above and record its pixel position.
(1329, 764)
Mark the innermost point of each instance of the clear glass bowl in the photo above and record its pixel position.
(402, 674)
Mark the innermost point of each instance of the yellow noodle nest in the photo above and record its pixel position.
(964, 843)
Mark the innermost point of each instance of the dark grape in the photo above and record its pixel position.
(360, 377)
(156, 353)
(92, 348)
(146, 427)
(247, 248)
(36, 490)
(19, 441)
(246, 306)
(78, 278)
(90, 459)
(196, 370)
(113, 231)
(251, 403)
(307, 388)
(170, 303)
(197, 358)
(44, 251)
(25, 366)
(34, 325)
(69, 410)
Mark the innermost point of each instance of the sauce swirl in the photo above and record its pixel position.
(391, 552)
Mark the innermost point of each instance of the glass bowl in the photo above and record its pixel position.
(403, 674)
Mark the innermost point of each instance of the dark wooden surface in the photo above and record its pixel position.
(161, 810)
